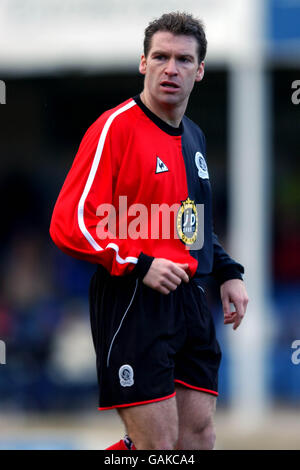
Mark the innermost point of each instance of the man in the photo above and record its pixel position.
(157, 354)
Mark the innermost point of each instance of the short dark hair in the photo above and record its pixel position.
(177, 23)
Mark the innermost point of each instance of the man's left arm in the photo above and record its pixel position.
(228, 274)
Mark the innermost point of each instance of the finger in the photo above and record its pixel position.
(240, 312)
(229, 319)
(163, 290)
(229, 315)
(180, 271)
(183, 265)
(171, 286)
(237, 323)
(226, 307)
(173, 278)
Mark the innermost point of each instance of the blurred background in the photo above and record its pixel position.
(62, 64)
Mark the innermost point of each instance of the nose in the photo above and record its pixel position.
(171, 67)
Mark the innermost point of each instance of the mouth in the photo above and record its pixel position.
(169, 86)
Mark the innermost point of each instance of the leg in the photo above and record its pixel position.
(195, 412)
(153, 426)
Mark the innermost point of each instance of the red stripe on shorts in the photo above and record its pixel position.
(197, 388)
(137, 403)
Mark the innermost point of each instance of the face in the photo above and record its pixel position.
(171, 68)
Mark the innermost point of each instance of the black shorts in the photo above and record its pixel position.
(146, 341)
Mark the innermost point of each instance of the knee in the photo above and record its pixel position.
(207, 437)
(198, 438)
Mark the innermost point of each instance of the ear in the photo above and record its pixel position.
(200, 72)
(143, 65)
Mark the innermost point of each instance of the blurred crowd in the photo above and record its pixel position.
(44, 321)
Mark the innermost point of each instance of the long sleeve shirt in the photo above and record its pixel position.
(139, 189)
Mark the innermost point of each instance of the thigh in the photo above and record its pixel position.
(197, 363)
(195, 409)
(152, 426)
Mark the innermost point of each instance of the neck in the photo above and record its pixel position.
(171, 114)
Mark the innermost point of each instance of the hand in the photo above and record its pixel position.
(165, 275)
(234, 291)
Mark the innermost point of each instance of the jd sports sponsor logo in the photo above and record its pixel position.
(161, 167)
(187, 222)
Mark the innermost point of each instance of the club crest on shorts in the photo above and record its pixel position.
(187, 222)
(201, 165)
(126, 375)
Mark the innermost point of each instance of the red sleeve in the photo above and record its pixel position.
(75, 225)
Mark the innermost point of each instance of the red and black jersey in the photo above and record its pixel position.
(139, 189)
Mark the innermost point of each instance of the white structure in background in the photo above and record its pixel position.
(249, 222)
(47, 35)
(58, 35)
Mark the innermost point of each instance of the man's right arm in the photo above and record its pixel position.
(75, 225)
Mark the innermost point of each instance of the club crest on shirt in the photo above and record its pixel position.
(187, 222)
(201, 165)
(126, 375)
